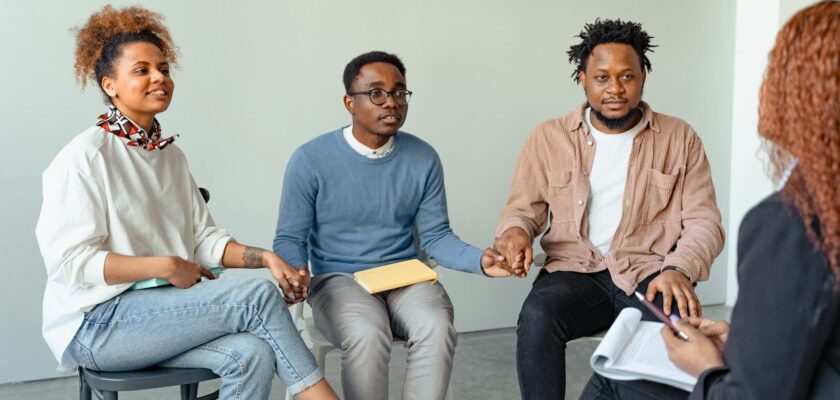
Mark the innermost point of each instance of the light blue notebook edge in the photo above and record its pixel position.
(158, 282)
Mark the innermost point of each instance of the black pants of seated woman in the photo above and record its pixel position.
(564, 306)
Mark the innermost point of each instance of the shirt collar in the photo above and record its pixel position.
(786, 174)
(364, 150)
(132, 134)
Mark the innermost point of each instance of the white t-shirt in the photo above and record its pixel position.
(607, 180)
(364, 150)
(102, 196)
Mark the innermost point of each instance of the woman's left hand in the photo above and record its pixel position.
(695, 355)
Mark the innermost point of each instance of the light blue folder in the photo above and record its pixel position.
(156, 282)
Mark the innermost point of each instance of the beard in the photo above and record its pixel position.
(621, 123)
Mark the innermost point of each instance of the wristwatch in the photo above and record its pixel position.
(678, 269)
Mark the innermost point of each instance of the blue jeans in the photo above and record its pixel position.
(239, 328)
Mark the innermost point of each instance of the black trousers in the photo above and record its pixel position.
(600, 388)
(564, 306)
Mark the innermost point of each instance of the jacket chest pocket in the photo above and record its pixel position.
(662, 197)
(561, 195)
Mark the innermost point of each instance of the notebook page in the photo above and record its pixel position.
(645, 353)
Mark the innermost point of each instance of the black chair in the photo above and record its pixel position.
(106, 385)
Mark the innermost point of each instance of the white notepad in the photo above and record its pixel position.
(633, 349)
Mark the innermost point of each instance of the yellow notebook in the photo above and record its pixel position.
(394, 276)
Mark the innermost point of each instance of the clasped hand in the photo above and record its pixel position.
(293, 282)
(512, 252)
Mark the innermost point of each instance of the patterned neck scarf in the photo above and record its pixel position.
(115, 122)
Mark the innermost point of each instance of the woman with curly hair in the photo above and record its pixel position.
(784, 341)
(121, 206)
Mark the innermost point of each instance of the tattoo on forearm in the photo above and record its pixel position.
(252, 257)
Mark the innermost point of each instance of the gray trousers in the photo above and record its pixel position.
(363, 325)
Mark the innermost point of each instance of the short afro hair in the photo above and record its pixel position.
(609, 31)
(99, 42)
(351, 71)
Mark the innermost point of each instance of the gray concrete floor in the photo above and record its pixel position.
(485, 369)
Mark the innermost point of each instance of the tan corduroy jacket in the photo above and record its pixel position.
(669, 215)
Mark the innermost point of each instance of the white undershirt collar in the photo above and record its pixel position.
(364, 150)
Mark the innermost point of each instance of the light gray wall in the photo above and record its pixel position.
(257, 79)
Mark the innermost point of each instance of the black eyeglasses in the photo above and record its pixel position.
(380, 96)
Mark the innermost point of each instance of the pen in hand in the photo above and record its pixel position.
(659, 314)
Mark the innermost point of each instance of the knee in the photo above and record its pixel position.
(538, 321)
(436, 329)
(263, 287)
(264, 292)
(366, 335)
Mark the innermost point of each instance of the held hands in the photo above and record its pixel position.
(675, 285)
(494, 265)
(182, 273)
(294, 283)
(702, 350)
(515, 246)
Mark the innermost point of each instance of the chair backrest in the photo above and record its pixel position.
(205, 194)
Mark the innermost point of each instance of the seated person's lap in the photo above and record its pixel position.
(342, 309)
(580, 304)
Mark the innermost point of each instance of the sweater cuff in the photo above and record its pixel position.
(477, 269)
(94, 270)
(295, 256)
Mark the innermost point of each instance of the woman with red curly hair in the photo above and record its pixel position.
(784, 341)
(120, 207)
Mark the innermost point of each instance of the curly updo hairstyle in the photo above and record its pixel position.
(799, 118)
(99, 42)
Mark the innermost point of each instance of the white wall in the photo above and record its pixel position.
(757, 22)
(259, 78)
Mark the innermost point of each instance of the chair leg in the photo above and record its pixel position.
(320, 353)
(109, 395)
(449, 392)
(84, 389)
(189, 391)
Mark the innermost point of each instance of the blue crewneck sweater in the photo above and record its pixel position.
(344, 212)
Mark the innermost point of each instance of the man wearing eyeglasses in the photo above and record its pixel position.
(367, 195)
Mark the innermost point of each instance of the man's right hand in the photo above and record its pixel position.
(515, 245)
(182, 273)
